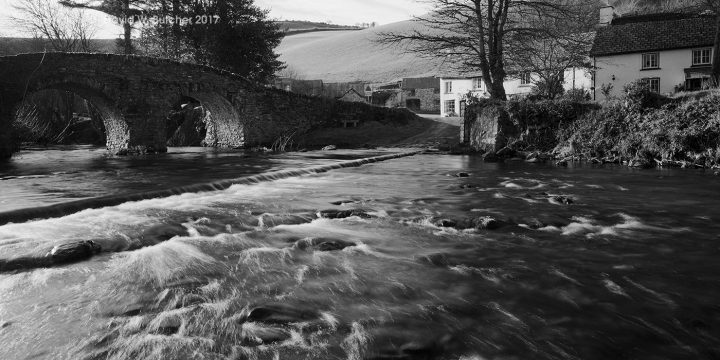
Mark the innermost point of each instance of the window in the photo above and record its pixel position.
(448, 87)
(477, 83)
(702, 56)
(650, 61)
(525, 78)
(654, 84)
(449, 107)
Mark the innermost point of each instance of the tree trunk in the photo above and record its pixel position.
(716, 56)
(127, 40)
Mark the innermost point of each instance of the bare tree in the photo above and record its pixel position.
(124, 12)
(63, 29)
(563, 43)
(475, 33)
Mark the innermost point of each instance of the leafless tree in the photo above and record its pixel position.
(561, 44)
(475, 33)
(123, 11)
(63, 29)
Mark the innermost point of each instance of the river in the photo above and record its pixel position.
(583, 262)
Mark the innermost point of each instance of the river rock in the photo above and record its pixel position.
(168, 326)
(329, 147)
(343, 202)
(272, 220)
(445, 223)
(161, 233)
(462, 174)
(281, 314)
(640, 163)
(72, 252)
(323, 244)
(265, 336)
(485, 223)
(563, 162)
(469, 186)
(342, 214)
(4, 324)
(561, 199)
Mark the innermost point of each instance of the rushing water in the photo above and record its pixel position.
(628, 270)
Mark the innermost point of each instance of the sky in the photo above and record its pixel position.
(342, 12)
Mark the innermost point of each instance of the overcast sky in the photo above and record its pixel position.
(343, 12)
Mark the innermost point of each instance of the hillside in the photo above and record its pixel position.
(12, 46)
(291, 27)
(339, 56)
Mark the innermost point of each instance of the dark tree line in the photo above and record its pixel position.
(234, 35)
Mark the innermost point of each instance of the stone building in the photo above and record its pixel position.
(421, 94)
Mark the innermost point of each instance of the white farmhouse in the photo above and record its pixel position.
(671, 52)
(454, 89)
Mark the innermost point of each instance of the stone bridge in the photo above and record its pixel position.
(133, 94)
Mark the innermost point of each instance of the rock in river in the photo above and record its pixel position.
(486, 223)
(342, 214)
(60, 254)
(281, 314)
(323, 244)
(71, 252)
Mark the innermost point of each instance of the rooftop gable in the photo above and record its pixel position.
(653, 33)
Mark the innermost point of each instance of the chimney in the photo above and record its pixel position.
(607, 14)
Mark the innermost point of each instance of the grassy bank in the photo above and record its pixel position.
(646, 129)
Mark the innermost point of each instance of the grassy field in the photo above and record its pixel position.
(342, 56)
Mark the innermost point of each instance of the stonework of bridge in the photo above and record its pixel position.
(133, 94)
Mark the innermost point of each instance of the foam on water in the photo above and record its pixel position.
(355, 344)
(162, 263)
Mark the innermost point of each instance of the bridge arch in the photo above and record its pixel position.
(222, 121)
(117, 131)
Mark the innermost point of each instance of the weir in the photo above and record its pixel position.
(67, 208)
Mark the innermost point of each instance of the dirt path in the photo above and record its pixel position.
(438, 131)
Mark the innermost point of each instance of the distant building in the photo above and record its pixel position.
(421, 94)
(454, 89)
(352, 96)
(671, 52)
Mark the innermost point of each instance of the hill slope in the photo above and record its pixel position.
(340, 56)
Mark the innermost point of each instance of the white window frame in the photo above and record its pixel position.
(700, 54)
(477, 83)
(449, 106)
(525, 78)
(448, 87)
(651, 60)
(651, 82)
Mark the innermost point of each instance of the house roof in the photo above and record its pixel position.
(350, 92)
(653, 33)
(421, 83)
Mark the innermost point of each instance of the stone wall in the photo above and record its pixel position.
(487, 127)
(275, 114)
(429, 99)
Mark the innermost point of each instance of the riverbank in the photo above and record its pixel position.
(641, 129)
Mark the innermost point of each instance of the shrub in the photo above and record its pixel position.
(636, 126)
(539, 121)
(638, 96)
